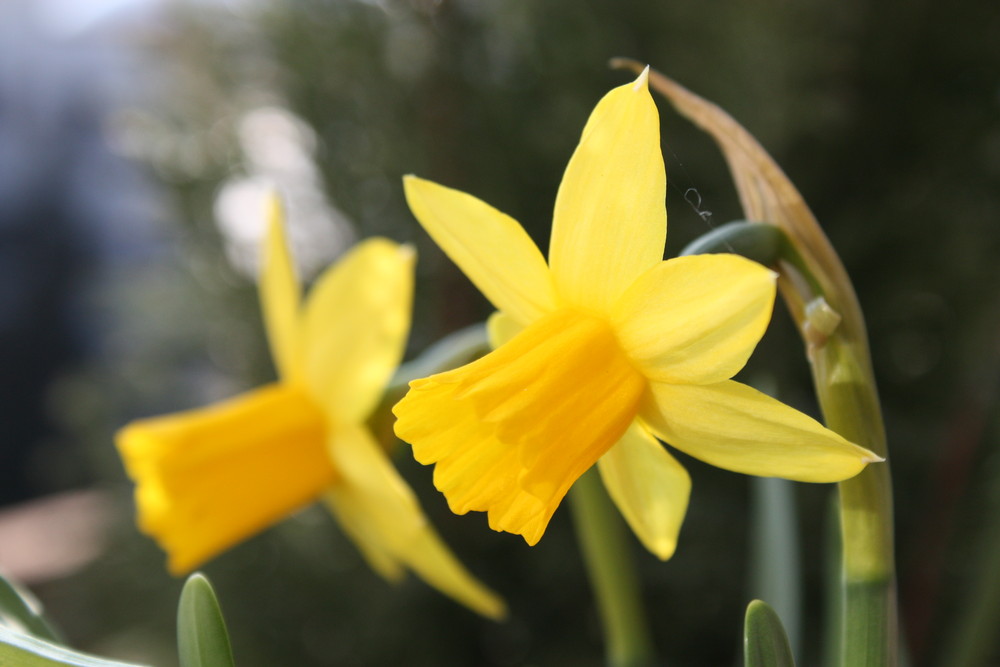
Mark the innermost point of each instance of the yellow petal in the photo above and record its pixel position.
(733, 426)
(208, 479)
(510, 432)
(500, 328)
(355, 324)
(610, 220)
(649, 487)
(280, 294)
(353, 516)
(429, 557)
(379, 509)
(491, 248)
(695, 319)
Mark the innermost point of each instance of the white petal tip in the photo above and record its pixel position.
(874, 458)
(407, 252)
(642, 81)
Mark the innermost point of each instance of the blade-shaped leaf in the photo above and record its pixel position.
(202, 640)
(20, 650)
(18, 608)
(764, 640)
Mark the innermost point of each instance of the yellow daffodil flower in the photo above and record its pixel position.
(210, 478)
(602, 349)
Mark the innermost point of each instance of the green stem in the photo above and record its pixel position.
(850, 406)
(602, 538)
(845, 386)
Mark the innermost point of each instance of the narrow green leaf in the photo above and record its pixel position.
(833, 605)
(20, 610)
(20, 650)
(775, 570)
(202, 640)
(764, 640)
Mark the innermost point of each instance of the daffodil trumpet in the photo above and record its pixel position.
(604, 351)
(209, 478)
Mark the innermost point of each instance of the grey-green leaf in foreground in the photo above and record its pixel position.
(202, 640)
(21, 611)
(20, 650)
(764, 640)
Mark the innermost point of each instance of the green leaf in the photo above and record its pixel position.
(764, 640)
(20, 610)
(20, 650)
(775, 570)
(760, 242)
(202, 640)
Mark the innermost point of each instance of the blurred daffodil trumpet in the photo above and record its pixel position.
(209, 478)
(603, 350)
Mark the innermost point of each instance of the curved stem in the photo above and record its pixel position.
(601, 534)
(834, 331)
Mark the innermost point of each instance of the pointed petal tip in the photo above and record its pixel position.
(412, 179)
(663, 550)
(410, 182)
(393, 575)
(874, 458)
(531, 539)
(642, 81)
(407, 252)
(274, 208)
(496, 611)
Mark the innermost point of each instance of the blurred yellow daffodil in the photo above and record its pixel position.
(602, 349)
(210, 478)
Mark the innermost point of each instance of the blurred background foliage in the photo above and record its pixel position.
(885, 114)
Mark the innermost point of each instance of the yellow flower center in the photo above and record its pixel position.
(512, 431)
(209, 478)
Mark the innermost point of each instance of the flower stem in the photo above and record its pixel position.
(850, 406)
(601, 535)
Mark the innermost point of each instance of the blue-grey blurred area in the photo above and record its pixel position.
(69, 207)
(137, 140)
